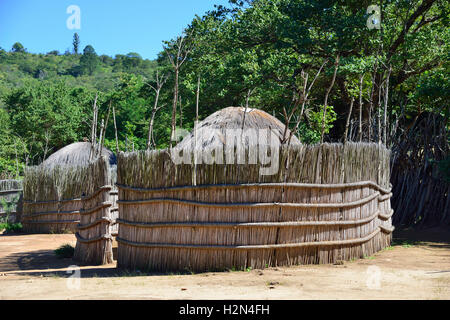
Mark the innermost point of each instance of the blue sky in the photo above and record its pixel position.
(110, 26)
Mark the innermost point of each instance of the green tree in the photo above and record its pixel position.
(89, 60)
(76, 42)
(18, 47)
(48, 116)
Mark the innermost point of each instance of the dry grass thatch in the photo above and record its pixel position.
(213, 130)
(77, 153)
(326, 203)
(53, 195)
(99, 212)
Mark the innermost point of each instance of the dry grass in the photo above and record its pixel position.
(77, 153)
(203, 247)
(94, 240)
(53, 194)
(213, 130)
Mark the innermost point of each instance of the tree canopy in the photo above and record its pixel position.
(300, 60)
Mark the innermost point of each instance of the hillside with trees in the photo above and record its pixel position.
(315, 65)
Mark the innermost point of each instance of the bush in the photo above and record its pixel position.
(11, 227)
(65, 251)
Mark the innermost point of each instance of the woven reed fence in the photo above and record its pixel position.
(326, 203)
(11, 193)
(98, 215)
(53, 197)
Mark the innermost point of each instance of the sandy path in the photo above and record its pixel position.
(29, 270)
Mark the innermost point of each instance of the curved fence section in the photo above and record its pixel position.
(53, 196)
(94, 236)
(325, 204)
(97, 217)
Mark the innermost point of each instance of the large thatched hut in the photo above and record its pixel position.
(54, 191)
(318, 203)
(225, 126)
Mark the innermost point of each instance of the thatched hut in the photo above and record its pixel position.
(78, 153)
(239, 122)
(323, 203)
(54, 190)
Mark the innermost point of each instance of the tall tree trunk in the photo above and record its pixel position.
(325, 104)
(174, 107)
(150, 128)
(379, 114)
(386, 98)
(197, 100)
(360, 106)
(371, 99)
(17, 161)
(348, 120)
(306, 91)
(181, 113)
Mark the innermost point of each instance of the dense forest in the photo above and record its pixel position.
(319, 66)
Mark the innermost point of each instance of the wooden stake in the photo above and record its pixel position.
(115, 130)
(360, 107)
(94, 129)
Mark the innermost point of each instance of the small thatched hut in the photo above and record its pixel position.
(78, 153)
(53, 191)
(322, 203)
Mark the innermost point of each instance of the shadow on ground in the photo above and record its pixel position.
(44, 263)
(432, 237)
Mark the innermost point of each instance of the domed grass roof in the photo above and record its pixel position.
(77, 153)
(213, 130)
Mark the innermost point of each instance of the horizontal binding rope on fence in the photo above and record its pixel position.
(96, 239)
(385, 197)
(53, 222)
(387, 216)
(97, 208)
(94, 223)
(258, 185)
(10, 191)
(386, 229)
(49, 213)
(99, 190)
(245, 224)
(30, 202)
(249, 247)
(251, 205)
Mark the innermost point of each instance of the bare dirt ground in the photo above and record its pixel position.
(417, 266)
